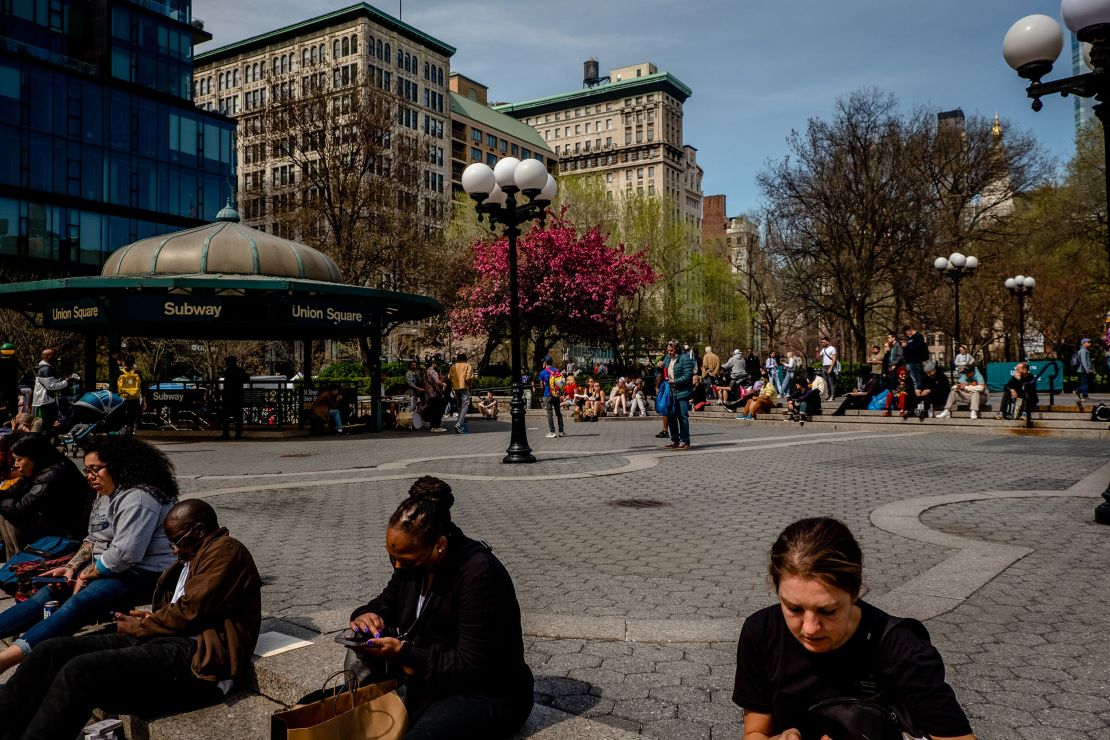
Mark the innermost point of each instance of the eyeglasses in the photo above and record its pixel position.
(177, 542)
(93, 469)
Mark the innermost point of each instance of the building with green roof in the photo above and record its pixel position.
(482, 134)
(626, 128)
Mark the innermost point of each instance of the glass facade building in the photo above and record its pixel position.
(100, 143)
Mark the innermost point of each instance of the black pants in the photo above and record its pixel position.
(55, 690)
(469, 717)
(233, 410)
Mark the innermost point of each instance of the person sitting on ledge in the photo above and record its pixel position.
(804, 402)
(933, 391)
(182, 656)
(447, 624)
(970, 388)
(868, 385)
(805, 665)
(1019, 395)
(487, 407)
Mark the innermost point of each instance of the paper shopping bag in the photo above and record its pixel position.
(372, 712)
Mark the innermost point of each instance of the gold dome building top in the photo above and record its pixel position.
(223, 247)
(996, 129)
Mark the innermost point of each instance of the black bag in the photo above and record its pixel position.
(1100, 412)
(869, 716)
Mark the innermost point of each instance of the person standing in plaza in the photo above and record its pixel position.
(44, 399)
(461, 377)
(829, 366)
(710, 364)
(130, 388)
(751, 364)
(435, 403)
(1083, 368)
(915, 354)
(414, 388)
(9, 382)
(678, 371)
(551, 400)
(232, 399)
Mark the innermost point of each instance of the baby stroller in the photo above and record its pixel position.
(96, 412)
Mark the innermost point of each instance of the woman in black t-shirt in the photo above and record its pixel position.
(822, 642)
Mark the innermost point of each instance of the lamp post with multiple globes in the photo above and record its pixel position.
(956, 267)
(1020, 287)
(495, 196)
(1032, 45)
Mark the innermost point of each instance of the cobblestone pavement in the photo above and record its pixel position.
(313, 512)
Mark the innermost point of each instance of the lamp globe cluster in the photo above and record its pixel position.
(510, 175)
(1033, 44)
(956, 262)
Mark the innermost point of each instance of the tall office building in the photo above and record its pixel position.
(1084, 107)
(625, 127)
(100, 144)
(357, 45)
(481, 134)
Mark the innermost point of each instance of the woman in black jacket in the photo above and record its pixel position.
(50, 498)
(450, 619)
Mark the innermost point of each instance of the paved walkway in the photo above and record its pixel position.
(632, 612)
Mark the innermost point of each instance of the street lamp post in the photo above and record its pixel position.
(495, 196)
(1033, 44)
(956, 267)
(1020, 287)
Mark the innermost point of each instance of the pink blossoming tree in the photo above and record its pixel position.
(572, 287)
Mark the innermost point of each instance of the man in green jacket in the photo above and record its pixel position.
(678, 371)
(183, 655)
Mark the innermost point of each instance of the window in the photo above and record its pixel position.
(525, 154)
(515, 149)
(587, 128)
(335, 49)
(476, 154)
(476, 135)
(354, 44)
(312, 55)
(577, 129)
(504, 146)
(491, 141)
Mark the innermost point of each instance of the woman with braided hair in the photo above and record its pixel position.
(448, 624)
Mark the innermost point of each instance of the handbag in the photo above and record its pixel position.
(41, 555)
(663, 399)
(371, 712)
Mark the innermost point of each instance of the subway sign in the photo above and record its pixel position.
(77, 312)
(171, 308)
(317, 312)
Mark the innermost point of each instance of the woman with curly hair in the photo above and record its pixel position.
(123, 555)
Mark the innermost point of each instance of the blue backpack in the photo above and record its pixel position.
(663, 399)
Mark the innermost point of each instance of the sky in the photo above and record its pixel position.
(758, 68)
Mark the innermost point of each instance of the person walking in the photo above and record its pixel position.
(461, 377)
(551, 399)
(830, 367)
(710, 364)
(1084, 369)
(678, 371)
(232, 399)
(44, 398)
(129, 385)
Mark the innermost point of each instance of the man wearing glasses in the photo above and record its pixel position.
(183, 655)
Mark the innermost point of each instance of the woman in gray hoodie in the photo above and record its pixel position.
(119, 561)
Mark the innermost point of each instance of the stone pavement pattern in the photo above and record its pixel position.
(701, 556)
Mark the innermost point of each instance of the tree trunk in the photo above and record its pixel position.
(492, 342)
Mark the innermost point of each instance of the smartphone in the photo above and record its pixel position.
(48, 581)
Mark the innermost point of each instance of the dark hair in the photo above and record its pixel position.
(38, 449)
(821, 548)
(134, 463)
(907, 327)
(460, 357)
(426, 514)
(825, 338)
(195, 511)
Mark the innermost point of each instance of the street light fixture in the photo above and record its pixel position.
(956, 267)
(1021, 286)
(1032, 45)
(494, 192)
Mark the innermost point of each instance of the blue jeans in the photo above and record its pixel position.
(678, 421)
(95, 601)
(784, 385)
(463, 399)
(917, 372)
(1084, 382)
(336, 419)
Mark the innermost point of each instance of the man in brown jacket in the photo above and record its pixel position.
(183, 655)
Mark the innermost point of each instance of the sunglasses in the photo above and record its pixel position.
(177, 542)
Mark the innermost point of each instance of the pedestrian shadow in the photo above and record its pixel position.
(565, 694)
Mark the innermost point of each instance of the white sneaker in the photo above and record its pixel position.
(932, 413)
(552, 435)
(974, 414)
(562, 434)
(944, 414)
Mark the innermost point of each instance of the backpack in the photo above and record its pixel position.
(556, 382)
(1074, 361)
(129, 385)
(41, 555)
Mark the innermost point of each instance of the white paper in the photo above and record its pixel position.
(275, 643)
